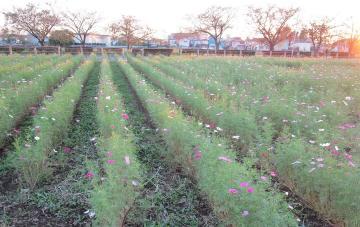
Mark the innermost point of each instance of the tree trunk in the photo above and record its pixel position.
(217, 44)
(271, 46)
(42, 42)
(84, 41)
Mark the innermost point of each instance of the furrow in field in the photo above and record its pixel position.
(168, 196)
(62, 197)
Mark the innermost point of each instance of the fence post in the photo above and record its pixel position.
(207, 52)
(59, 50)
(10, 50)
(270, 53)
(240, 53)
(198, 52)
(35, 50)
(180, 51)
(224, 52)
(142, 52)
(81, 50)
(285, 52)
(292, 53)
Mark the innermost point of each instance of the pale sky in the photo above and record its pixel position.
(166, 17)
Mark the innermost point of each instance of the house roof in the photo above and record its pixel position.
(99, 35)
(187, 35)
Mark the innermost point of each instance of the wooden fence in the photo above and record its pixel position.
(159, 51)
(59, 50)
(218, 53)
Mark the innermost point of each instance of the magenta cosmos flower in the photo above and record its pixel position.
(250, 189)
(197, 155)
(233, 191)
(89, 175)
(273, 173)
(67, 149)
(125, 116)
(225, 159)
(111, 161)
(244, 184)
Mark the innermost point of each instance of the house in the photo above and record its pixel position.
(188, 40)
(157, 43)
(212, 44)
(235, 43)
(20, 39)
(93, 39)
(283, 45)
(257, 44)
(302, 45)
(341, 45)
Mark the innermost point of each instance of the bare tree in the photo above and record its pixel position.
(214, 22)
(319, 33)
(31, 19)
(80, 24)
(271, 21)
(129, 30)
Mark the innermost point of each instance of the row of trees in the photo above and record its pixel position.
(40, 23)
(272, 23)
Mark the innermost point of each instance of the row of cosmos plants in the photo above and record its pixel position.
(179, 141)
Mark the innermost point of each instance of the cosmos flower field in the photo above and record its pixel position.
(179, 141)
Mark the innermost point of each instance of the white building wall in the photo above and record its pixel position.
(304, 47)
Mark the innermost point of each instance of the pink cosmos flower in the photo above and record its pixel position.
(127, 160)
(67, 149)
(111, 161)
(233, 191)
(245, 213)
(125, 116)
(273, 173)
(348, 156)
(351, 164)
(113, 126)
(244, 184)
(322, 104)
(109, 154)
(250, 189)
(225, 159)
(17, 131)
(265, 99)
(335, 152)
(347, 126)
(197, 155)
(89, 175)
